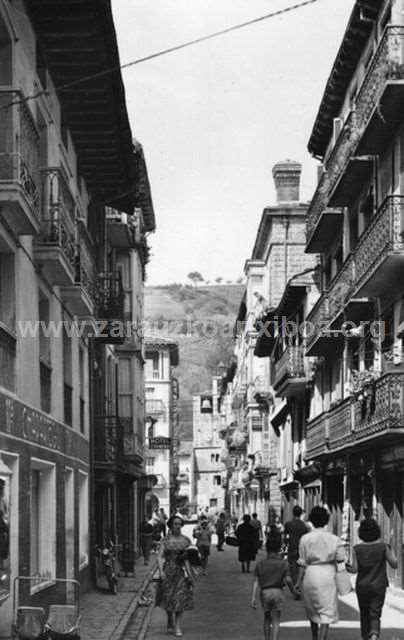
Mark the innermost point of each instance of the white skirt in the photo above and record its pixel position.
(320, 593)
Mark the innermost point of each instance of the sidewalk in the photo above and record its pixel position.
(104, 616)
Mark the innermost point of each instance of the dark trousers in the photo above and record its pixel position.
(293, 566)
(370, 607)
(220, 540)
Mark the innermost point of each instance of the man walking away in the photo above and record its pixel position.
(294, 530)
(221, 531)
(258, 527)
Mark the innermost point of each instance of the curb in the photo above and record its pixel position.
(120, 629)
(145, 625)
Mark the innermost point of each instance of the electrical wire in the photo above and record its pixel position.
(160, 53)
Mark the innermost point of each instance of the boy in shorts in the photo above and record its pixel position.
(271, 575)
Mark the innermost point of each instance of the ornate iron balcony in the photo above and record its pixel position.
(356, 419)
(19, 164)
(289, 372)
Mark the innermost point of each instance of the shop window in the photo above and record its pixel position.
(83, 519)
(43, 524)
(69, 522)
(4, 532)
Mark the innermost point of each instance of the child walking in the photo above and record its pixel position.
(271, 575)
(369, 562)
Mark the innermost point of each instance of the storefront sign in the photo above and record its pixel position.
(159, 443)
(38, 428)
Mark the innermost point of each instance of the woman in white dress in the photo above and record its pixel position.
(319, 553)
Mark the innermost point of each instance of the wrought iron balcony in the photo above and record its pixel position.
(375, 115)
(340, 288)
(289, 372)
(133, 447)
(356, 419)
(108, 447)
(121, 230)
(81, 296)
(317, 320)
(156, 408)
(110, 307)
(19, 164)
(380, 100)
(379, 254)
(55, 248)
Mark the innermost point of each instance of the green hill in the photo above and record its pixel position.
(201, 320)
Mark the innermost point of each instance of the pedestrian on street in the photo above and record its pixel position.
(203, 536)
(294, 530)
(258, 527)
(163, 521)
(247, 543)
(146, 539)
(221, 531)
(176, 585)
(271, 575)
(319, 554)
(369, 561)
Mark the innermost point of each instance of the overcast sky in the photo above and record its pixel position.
(214, 118)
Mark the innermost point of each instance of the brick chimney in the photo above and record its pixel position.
(287, 180)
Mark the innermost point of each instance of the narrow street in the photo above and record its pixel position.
(222, 611)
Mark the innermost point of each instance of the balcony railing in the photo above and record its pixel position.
(108, 440)
(340, 288)
(354, 420)
(155, 408)
(19, 162)
(382, 237)
(387, 65)
(85, 266)
(291, 365)
(133, 446)
(110, 296)
(317, 320)
(57, 230)
(335, 164)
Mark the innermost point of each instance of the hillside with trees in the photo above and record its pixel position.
(201, 319)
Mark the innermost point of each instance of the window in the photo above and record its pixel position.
(43, 524)
(67, 377)
(213, 502)
(217, 481)
(152, 365)
(82, 391)
(45, 369)
(125, 388)
(83, 519)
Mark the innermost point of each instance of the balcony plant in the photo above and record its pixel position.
(363, 382)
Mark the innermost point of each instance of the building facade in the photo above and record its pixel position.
(258, 430)
(208, 468)
(161, 356)
(355, 430)
(61, 167)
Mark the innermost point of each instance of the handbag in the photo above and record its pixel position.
(232, 541)
(343, 581)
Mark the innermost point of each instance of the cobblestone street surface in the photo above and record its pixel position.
(104, 615)
(222, 611)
